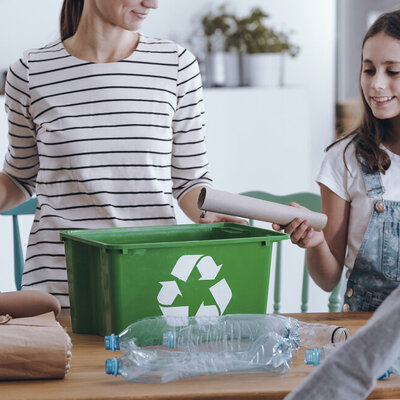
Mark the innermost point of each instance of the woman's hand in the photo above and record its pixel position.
(210, 217)
(301, 233)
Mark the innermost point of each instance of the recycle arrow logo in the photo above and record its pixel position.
(208, 270)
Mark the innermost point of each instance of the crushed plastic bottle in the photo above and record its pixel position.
(270, 352)
(318, 335)
(235, 332)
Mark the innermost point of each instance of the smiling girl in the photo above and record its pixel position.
(360, 185)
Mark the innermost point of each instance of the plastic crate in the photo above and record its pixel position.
(119, 275)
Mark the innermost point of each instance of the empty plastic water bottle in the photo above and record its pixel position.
(269, 352)
(234, 332)
(317, 355)
(317, 335)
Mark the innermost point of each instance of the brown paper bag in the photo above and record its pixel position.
(34, 348)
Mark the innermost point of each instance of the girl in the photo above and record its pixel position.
(106, 126)
(360, 185)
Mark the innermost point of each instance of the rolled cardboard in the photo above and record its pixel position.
(261, 210)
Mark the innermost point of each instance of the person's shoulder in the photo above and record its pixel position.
(341, 154)
(152, 44)
(40, 53)
(342, 147)
(160, 45)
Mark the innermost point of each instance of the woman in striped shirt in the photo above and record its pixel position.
(106, 127)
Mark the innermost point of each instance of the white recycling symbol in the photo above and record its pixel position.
(208, 271)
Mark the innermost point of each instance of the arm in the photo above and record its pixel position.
(10, 194)
(325, 250)
(18, 179)
(189, 157)
(325, 261)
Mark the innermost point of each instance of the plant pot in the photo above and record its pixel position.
(223, 69)
(264, 69)
(233, 73)
(215, 69)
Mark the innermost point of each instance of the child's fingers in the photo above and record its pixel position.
(300, 232)
(289, 229)
(277, 227)
(305, 240)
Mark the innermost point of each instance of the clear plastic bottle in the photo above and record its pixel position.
(317, 355)
(269, 352)
(317, 335)
(234, 332)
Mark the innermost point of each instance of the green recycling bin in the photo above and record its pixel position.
(119, 275)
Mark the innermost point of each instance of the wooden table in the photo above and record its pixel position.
(87, 379)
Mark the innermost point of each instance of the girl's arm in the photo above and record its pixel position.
(10, 194)
(325, 262)
(325, 250)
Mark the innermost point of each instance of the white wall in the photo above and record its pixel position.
(25, 24)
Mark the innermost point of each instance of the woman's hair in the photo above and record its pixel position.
(70, 15)
(372, 131)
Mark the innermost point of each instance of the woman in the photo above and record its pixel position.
(106, 126)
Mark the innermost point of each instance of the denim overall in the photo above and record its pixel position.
(376, 271)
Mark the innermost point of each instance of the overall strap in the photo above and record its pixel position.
(373, 181)
(374, 186)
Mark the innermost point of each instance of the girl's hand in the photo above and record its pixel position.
(301, 232)
(210, 217)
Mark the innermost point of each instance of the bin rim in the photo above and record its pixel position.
(266, 235)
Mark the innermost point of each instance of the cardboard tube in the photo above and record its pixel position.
(261, 210)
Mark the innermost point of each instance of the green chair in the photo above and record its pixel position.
(26, 208)
(313, 202)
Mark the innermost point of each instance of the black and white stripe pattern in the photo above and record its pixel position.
(101, 144)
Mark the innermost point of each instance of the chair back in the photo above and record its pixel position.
(313, 202)
(26, 208)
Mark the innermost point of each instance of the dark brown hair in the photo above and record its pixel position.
(371, 132)
(70, 15)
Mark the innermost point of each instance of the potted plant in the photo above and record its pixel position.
(222, 45)
(263, 49)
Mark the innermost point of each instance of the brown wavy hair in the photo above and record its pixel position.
(70, 16)
(371, 132)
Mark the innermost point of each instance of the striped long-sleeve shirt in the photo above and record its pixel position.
(101, 144)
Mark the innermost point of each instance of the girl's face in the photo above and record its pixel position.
(126, 14)
(380, 75)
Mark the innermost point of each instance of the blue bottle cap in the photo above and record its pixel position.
(168, 339)
(385, 375)
(313, 356)
(112, 366)
(111, 342)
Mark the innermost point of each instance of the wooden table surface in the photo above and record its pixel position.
(87, 379)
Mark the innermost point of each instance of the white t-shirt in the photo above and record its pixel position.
(348, 183)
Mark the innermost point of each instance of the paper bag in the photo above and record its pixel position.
(34, 348)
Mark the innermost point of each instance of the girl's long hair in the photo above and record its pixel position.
(70, 15)
(371, 132)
